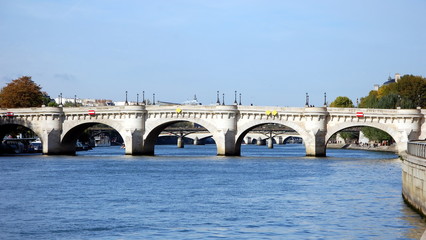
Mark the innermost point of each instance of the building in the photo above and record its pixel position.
(389, 81)
(393, 80)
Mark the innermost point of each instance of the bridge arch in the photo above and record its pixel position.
(6, 124)
(394, 133)
(71, 135)
(248, 126)
(152, 131)
(15, 144)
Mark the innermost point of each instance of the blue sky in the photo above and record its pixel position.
(272, 52)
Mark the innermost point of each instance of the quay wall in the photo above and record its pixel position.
(414, 176)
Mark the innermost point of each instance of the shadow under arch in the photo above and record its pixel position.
(19, 135)
(337, 130)
(150, 138)
(68, 141)
(241, 136)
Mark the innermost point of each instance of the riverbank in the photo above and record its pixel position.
(391, 148)
(413, 183)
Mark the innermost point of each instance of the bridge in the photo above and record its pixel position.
(260, 135)
(140, 125)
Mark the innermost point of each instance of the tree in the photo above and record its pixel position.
(385, 90)
(20, 93)
(408, 92)
(412, 89)
(342, 102)
(375, 134)
(369, 101)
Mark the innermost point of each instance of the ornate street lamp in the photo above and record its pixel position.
(325, 99)
(143, 97)
(218, 101)
(419, 101)
(307, 100)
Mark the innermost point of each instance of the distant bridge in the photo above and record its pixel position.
(139, 126)
(278, 134)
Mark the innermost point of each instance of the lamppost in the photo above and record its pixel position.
(60, 98)
(398, 105)
(223, 98)
(153, 99)
(75, 100)
(126, 102)
(137, 98)
(218, 101)
(143, 97)
(307, 100)
(419, 101)
(240, 99)
(235, 98)
(325, 99)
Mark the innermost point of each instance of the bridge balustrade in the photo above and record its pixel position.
(417, 148)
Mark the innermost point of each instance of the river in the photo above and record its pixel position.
(192, 194)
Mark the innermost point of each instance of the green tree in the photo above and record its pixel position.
(408, 92)
(369, 101)
(20, 93)
(342, 102)
(390, 101)
(52, 104)
(412, 89)
(48, 101)
(375, 134)
(348, 136)
(387, 90)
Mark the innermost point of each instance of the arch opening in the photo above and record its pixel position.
(269, 134)
(19, 139)
(180, 134)
(362, 137)
(87, 136)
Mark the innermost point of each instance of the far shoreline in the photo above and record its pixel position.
(391, 148)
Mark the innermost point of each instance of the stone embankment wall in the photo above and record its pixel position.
(414, 176)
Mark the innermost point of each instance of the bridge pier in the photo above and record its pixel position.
(134, 142)
(270, 143)
(133, 134)
(316, 126)
(51, 130)
(225, 144)
(316, 146)
(197, 141)
(225, 137)
(180, 143)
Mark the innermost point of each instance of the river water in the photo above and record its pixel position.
(192, 194)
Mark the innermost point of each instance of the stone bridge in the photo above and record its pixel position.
(139, 126)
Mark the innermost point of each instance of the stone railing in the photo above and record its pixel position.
(417, 148)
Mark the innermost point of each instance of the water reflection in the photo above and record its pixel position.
(192, 194)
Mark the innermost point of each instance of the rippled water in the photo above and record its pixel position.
(191, 194)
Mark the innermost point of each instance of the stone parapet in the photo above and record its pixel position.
(414, 177)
